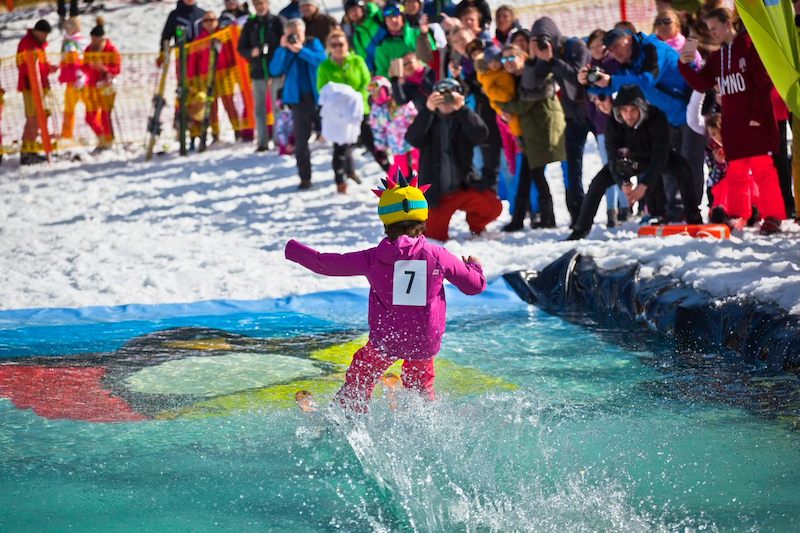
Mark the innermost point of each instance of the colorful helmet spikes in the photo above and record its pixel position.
(401, 199)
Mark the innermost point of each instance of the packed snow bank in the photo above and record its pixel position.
(112, 231)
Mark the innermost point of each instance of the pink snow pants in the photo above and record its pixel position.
(761, 170)
(366, 370)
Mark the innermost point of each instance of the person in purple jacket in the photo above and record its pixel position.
(407, 305)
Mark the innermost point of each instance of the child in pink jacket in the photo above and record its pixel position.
(406, 298)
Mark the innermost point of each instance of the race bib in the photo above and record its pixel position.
(410, 285)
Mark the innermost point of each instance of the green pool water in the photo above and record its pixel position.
(607, 430)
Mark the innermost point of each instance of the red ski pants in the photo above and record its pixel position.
(741, 172)
(482, 207)
(366, 370)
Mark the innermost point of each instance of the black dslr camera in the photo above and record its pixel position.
(292, 38)
(626, 167)
(593, 74)
(446, 87)
(542, 42)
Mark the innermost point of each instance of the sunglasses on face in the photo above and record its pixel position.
(507, 59)
(663, 22)
(338, 44)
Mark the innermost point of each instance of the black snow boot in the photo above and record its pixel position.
(612, 218)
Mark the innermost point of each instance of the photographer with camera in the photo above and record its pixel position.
(261, 36)
(562, 57)
(542, 122)
(446, 133)
(635, 142)
(617, 209)
(298, 58)
(652, 64)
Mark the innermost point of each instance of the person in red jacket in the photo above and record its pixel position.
(101, 66)
(35, 40)
(750, 133)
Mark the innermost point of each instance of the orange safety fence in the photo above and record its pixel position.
(10, 5)
(129, 97)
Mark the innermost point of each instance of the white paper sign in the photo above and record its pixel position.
(410, 285)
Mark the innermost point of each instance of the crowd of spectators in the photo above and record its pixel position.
(478, 106)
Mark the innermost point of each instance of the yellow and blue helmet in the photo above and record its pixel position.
(402, 199)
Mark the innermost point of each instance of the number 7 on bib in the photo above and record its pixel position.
(410, 283)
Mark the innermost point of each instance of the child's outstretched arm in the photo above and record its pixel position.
(352, 264)
(466, 273)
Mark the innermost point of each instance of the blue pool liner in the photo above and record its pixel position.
(336, 306)
(67, 331)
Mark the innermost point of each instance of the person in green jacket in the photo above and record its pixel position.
(401, 38)
(363, 24)
(348, 68)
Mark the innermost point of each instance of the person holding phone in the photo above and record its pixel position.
(400, 39)
(412, 80)
(750, 131)
(667, 27)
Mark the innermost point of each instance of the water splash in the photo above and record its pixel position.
(490, 465)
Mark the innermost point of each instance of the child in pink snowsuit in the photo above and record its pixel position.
(406, 298)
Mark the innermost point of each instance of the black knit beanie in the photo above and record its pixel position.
(43, 26)
(99, 30)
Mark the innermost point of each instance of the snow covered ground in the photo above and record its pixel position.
(117, 230)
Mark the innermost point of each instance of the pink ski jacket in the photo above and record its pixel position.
(406, 298)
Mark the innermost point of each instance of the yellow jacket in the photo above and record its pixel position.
(501, 87)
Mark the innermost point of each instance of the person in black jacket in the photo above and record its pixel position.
(637, 141)
(187, 15)
(233, 13)
(261, 36)
(446, 133)
(564, 58)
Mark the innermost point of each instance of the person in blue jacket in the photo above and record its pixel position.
(298, 58)
(652, 65)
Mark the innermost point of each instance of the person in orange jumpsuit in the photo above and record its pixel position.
(102, 64)
(35, 40)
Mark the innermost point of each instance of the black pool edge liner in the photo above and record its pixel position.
(757, 331)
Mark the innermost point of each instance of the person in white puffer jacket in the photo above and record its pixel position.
(342, 113)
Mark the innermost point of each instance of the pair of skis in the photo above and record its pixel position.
(159, 102)
(211, 88)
